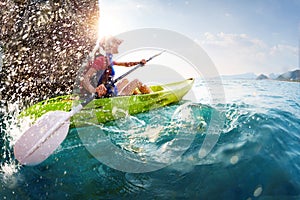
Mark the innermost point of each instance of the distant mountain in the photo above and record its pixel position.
(290, 76)
(273, 76)
(246, 76)
(262, 77)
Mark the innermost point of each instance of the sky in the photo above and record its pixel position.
(240, 36)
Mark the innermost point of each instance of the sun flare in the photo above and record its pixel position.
(109, 25)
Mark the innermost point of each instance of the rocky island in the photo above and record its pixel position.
(288, 76)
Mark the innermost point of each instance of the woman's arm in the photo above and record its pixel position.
(101, 90)
(130, 64)
(86, 80)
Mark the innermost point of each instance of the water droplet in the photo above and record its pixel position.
(258, 191)
(234, 160)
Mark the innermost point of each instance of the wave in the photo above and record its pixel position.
(256, 154)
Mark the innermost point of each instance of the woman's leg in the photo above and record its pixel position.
(122, 84)
(144, 89)
(130, 87)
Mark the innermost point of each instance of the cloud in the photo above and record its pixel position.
(280, 48)
(241, 53)
(228, 14)
(226, 40)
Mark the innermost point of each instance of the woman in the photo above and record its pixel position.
(101, 71)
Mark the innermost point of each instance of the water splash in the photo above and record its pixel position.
(11, 130)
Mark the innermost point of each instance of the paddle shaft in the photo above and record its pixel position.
(136, 67)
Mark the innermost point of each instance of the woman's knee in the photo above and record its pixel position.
(122, 84)
(137, 82)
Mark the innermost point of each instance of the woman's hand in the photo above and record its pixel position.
(143, 62)
(101, 90)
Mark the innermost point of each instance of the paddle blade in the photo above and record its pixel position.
(40, 140)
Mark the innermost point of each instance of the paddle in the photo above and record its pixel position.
(43, 138)
(137, 66)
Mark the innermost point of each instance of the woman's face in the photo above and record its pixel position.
(113, 47)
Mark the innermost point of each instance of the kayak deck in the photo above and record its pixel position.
(107, 109)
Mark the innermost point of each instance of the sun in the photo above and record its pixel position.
(109, 24)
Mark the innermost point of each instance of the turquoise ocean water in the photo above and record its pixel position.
(257, 155)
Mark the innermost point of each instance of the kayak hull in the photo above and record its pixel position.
(107, 109)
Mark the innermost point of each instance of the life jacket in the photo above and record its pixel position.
(102, 76)
(94, 79)
(106, 78)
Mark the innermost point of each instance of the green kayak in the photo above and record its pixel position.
(107, 109)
